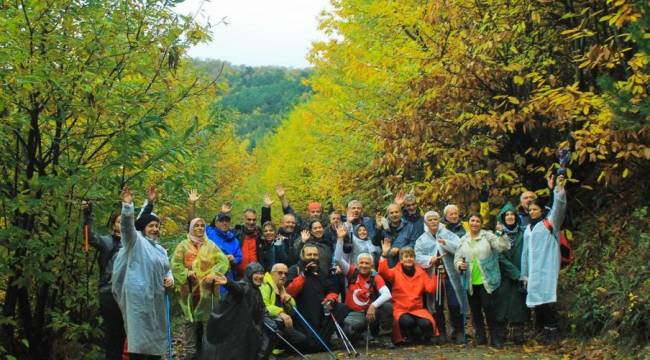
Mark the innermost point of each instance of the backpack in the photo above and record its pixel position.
(566, 252)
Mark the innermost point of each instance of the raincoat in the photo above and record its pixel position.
(269, 293)
(485, 249)
(540, 260)
(138, 274)
(205, 260)
(427, 246)
(511, 302)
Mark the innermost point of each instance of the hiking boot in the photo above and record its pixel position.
(549, 335)
(518, 336)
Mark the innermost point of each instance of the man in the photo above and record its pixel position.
(526, 198)
(354, 217)
(236, 326)
(220, 233)
(315, 297)
(280, 304)
(411, 212)
(367, 295)
(399, 232)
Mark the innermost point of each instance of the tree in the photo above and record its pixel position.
(89, 92)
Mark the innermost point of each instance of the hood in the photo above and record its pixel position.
(268, 279)
(251, 269)
(502, 213)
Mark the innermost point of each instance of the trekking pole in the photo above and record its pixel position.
(345, 344)
(277, 333)
(345, 337)
(463, 283)
(170, 351)
(295, 309)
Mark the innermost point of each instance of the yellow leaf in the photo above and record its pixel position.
(518, 80)
(626, 173)
(513, 99)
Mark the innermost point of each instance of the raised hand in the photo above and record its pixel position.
(194, 196)
(220, 279)
(305, 235)
(127, 197)
(561, 182)
(151, 193)
(385, 247)
(267, 200)
(226, 207)
(280, 191)
(341, 232)
(379, 221)
(400, 198)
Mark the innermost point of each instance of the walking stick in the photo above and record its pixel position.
(463, 283)
(331, 353)
(277, 333)
(367, 338)
(344, 338)
(170, 351)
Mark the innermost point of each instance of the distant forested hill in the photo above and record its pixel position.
(259, 97)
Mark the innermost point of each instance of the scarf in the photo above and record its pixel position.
(196, 240)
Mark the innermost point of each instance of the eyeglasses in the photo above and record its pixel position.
(282, 272)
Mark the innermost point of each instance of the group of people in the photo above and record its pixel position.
(248, 291)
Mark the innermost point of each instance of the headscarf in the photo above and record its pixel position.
(196, 240)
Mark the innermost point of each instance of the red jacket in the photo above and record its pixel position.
(407, 294)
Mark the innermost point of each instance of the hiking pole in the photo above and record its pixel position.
(345, 337)
(168, 312)
(277, 333)
(463, 283)
(338, 331)
(295, 309)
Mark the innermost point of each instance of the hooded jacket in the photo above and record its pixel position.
(228, 243)
(427, 246)
(540, 259)
(269, 291)
(235, 325)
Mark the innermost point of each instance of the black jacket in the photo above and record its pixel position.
(310, 298)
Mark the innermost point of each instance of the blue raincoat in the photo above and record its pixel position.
(138, 274)
(540, 259)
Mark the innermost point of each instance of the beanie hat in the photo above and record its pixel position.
(144, 220)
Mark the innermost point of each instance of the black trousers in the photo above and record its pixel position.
(133, 356)
(408, 323)
(114, 334)
(480, 302)
(325, 329)
(546, 315)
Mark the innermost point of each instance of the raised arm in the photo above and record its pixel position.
(383, 269)
(129, 234)
(341, 233)
(88, 221)
(266, 209)
(498, 242)
(147, 206)
(558, 211)
(279, 190)
(192, 198)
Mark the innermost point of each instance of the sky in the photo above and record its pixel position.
(259, 32)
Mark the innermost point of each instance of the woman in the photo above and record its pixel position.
(409, 283)
(195, 264)
(315, 235)
(266, 246)
(361, 244)
(477, 258)
(540, 260)
(511, 304)
(140, 275)
(434, 251)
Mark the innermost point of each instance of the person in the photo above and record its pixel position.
(236, 328)
(434, 252)
(361, 243)
(267, 251)
(314, 210)
(367, 295)
(411, 212)
(195, 264)
(525, 199)
(288, 239)
(220, 233)
(478, 258)
(409, 284)
(315, 235)
(280, 305)
(510, 306)
(399, 231)
(354, 217)
(315, 296)
(452, 219)
(141, 273)
(330, 230)
(540, 259)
